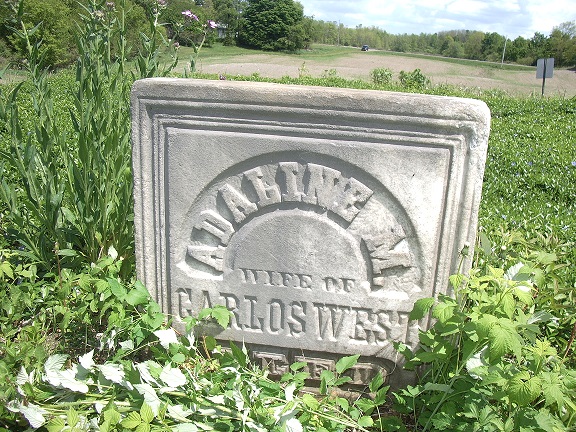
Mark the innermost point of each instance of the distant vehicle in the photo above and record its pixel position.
(364, 47)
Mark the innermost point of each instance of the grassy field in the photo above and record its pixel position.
(351, 63)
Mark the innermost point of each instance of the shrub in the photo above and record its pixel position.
(381, 76)
(488, 367)
(414, 80)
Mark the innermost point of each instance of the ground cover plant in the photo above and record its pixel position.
(83, 347)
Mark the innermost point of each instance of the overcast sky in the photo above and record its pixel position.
(507, 17)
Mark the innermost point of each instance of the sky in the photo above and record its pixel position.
(509, 18)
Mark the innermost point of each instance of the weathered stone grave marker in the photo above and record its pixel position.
(318, 216)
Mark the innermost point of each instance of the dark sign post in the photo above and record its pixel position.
(544, 69)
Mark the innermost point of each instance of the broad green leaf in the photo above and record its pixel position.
(116, 288)
(146, 413)
(381, 395)
(138, 295)
(442, 421)
(546, 258)
(540, 317)
(310, 401)
(553, 389)
(524, 294)
(421, 308)
(178, 413)
(222, 315)
(444, 311)
(485, 244)
(166, 337)
(55, 362)
(239, 354)
(179, 358)
(6, 268)
(72, 417)
(523, 389)
(112, 372)
(297, 366)
(343, 403)
(172, 377)
(365, 421)
(444, 388)
(143, 427)
(150, 396)
(376, 382)
(346, 363)
(34, 414)
(132, 420)
(68, 380)
(504, 340)
(55, 424)
(86, 360)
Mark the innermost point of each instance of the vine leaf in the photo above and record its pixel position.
(523, 388)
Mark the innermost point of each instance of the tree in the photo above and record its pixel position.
(49, 23)
(473, 45)
(563, 44)
(273, 25)
(227, 15)
(493, 46)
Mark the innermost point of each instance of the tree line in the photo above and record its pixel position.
(261, 24)
(466, 44)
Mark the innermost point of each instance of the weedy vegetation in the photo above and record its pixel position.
(83, 346)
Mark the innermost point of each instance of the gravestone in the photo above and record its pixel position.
(317, 216)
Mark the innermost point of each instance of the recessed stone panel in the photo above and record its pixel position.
(317, 216)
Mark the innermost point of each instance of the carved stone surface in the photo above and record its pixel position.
(318, 216)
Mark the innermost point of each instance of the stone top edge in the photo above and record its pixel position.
(290, 95)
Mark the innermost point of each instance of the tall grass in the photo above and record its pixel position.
(67, 185)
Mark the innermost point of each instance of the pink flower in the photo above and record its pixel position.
(211, 24)
(189, 14)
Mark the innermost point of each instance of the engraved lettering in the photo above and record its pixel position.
(368, 328)
(215, 224)
(185, 306)
(324, 186)
(276, 278)
(276, 316)
(330, 320)
(306, 281)
(382, 250)
(211, 256)
(315, 366)
(248, 276)
(354, 193)
(332, 284)
(239, 205)
(268, 193)
(273, 278)
(297, 319)
(290, 170)
(206, 303)
(363, 373)
(276, 364)
(255, 322)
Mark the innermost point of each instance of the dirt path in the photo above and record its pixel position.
(359, 64)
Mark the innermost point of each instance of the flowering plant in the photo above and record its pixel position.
(192, 31)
